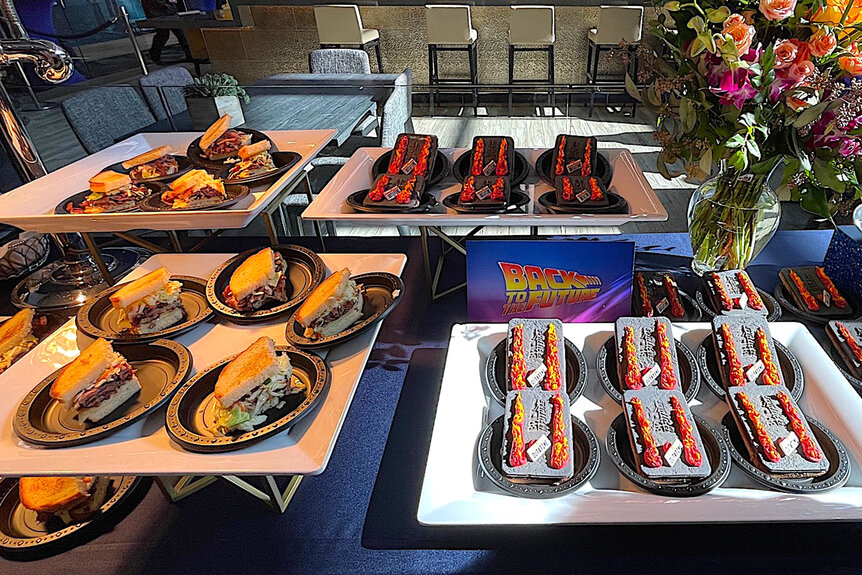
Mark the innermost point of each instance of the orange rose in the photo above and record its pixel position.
(777, 9)
(741, 33)
(785, 53)
(852, 63)
(822, 43)
(832, 12)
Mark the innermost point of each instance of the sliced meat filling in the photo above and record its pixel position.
(334, 313)
(255, 299)
(106, 387)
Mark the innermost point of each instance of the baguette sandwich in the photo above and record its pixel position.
(110, 192)
(150, 303)
(71, 499)
(259, 279)
(254, 382)
(196, 189)
(255, 160)
(156, 163)
(16, 338)
(334, 306)
(96, 383)
(220, 142)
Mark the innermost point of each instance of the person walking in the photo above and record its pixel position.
(158, 9)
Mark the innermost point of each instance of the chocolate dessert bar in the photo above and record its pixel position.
(577, 190)
(813, 292)
(657, 294)
(535, 356)
(778, 438)
(413, 155)
(733, 290)
(537, 436)
(395, 191)
(664, 436)
(492, 156)
(646, 353)
(491, 192)
(745, 351)
(574, 155)
(846, 336)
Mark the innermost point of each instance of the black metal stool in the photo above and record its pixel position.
(531, 29)
(450, 29)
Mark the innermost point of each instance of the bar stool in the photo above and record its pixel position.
(450, 29)
(616, 24)
(340, 26)
(531, 29)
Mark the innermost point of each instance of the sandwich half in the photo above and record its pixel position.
(156, 163)
(194, 190)
(255, 160)
(259, 279)
(256, 381)
(71, 499)
(220, 142)
(16, 338)
(96, 383)
(110, 192)
(151, 303)
(334, 306)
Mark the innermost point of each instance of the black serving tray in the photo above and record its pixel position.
(520, 169)
(155, 188)
(382, 292)
(305, 271)
(616, 205)
(585, 454)
(235, 192)
(772, 307)
(517, 200)
(283, 162)
(98, 318)
(183, 166)
(161, 366)
(195, 154)
(603, 170)
(191, 409)
(787, 303)
(440, 169)
(356, 199)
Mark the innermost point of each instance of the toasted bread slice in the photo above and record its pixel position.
(252, 273)
(322, 299)
(215, 131)
(246, 371)
(253, 149)
(140, 288)
(105, 182)
(15, 329)
(51, 494)
(85, 370)
(189, 180)
(146, 157)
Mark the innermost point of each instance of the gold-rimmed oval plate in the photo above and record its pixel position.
(98, 318)
(191, 418)
(161, 367)
(235, 193)
(183, 166)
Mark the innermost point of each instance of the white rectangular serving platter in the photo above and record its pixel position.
(628, 181)
(454, 493)
(144, 447)
(31, 206)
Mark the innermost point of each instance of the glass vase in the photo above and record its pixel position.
(731, 218)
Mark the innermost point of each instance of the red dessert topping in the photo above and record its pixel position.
(498, 190)
(517, 453)
(809, 447)
(561, 157)
(676, 309)
(568, 190)
(646, 304)
(407, 193)
(478, 157)
(468, 190)
(734, 366)
(668, 379)
(376, 193)
(595, 191)
(690, 452)
(503, 158)
(760, 432)
(559, 443)
(586, 167)
(518, 375)
(630, 351)
(854, 346)
(770, 371)
(398, 157)
(837, 299)
(721, 291)
(754, 301)
(422, 162)
(810, 300)
(650, 454)
(553, 375)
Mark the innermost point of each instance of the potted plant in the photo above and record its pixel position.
(213, 95)
(744, 89)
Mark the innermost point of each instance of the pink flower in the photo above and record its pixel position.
(777, 9)
(822, 43)
(741, 33)
(849, 147)
(785, 53)
(800, 72)
(734, 88)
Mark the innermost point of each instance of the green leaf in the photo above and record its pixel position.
(687, 115)
(697, 24)
(718, 15)
(739, 160)
(632, 88)
(671, 6)
(706, 161)
(814, 201)
(857, 167)
(810, 114)
(826, 174)
(752, 148)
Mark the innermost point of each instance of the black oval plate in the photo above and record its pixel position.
(517, 200)
(794, 378)
(155, 188)
(495, 372)
(839, 363)
(717, 452)
(585, 448)
(605, 363)
(441, 167)
(382, 292)
(235, 192)
(190, 411)
(183, 166)
(616, 205)
(283, 162)
(692, 310)
(162, 366)
(772, 307)
(521, 168)
(836, 476)
(305, 271)
(21, 533)
(355, 200)
(195, 154)
(604, 171)
(98, 318)
(787, 303)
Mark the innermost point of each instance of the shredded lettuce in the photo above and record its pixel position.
(230, 418)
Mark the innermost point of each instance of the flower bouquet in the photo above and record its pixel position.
(754, 86)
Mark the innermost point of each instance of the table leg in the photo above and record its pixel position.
(270, 228)
(97, 257)
(185, 486)
(453, 246)
(271, 494)
(175, 241)
(142, 243)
